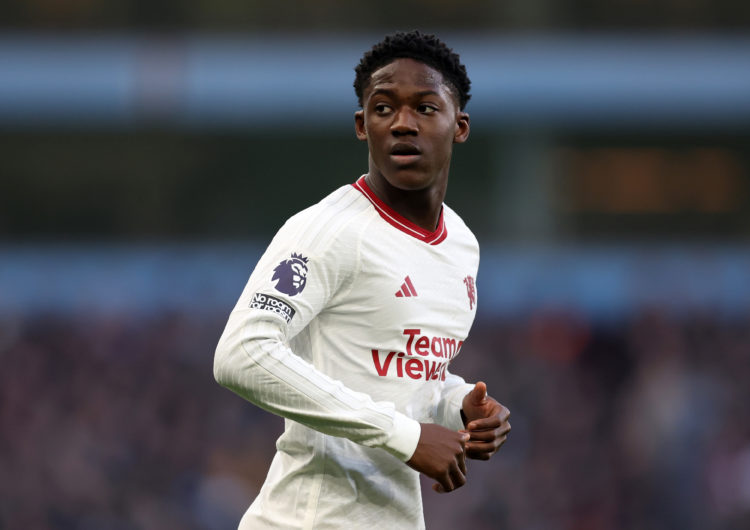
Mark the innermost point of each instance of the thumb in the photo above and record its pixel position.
(478, 393)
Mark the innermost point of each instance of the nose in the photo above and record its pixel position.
(404, 122)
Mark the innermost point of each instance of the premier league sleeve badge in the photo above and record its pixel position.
(291, 275)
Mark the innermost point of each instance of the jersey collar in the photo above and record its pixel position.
(398, 221)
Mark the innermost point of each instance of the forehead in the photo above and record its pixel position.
(408, 74)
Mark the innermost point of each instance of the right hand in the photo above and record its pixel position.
(440, 455)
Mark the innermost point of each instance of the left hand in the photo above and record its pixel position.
(486, 422)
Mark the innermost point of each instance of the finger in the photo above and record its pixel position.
(486, 450)
(438, 488)
(484, 436)
(501, 415)
(462, 464)
(488, 446)
(505, 428)
(478, 455)
(488, 441)
(481, 451)
(458, 477)
(493, 422)
(487, 434)
(446, 482)
(479, 393)
(504, 413)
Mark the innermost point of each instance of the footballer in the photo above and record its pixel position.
(349, 321)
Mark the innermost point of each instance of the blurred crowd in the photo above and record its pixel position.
(638, 424)
(115, 421)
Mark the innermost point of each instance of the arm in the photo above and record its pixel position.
(253, 357)
(254, 360)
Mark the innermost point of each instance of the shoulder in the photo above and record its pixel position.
(321, 244)
(339, 219)
(458, 231)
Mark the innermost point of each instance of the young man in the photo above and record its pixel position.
(349, 320)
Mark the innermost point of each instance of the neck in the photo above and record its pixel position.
(421, 206)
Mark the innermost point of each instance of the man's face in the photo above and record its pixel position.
(410, 120)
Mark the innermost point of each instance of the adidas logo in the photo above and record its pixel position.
(407, 289)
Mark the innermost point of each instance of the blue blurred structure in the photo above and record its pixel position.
(276, 80)
(603, 283)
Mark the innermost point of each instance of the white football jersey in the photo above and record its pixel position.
(346, 329)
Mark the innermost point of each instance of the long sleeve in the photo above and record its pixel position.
(451, 401)
(253, 361)
(310, 262)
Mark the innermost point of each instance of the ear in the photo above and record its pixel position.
(359, 125)
(462, 128)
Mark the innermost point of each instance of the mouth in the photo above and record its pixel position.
(405, 153)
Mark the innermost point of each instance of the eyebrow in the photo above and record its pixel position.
(390, 92)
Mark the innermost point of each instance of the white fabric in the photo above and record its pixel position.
(357, 368)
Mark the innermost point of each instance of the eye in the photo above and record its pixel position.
(426, 108)
(382, 108)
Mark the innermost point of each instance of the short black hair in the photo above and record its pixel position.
(425, 48)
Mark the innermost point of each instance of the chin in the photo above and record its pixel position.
(409, 180)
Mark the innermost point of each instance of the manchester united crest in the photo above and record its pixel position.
(471, 291)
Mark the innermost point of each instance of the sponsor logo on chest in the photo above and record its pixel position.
(425, 357)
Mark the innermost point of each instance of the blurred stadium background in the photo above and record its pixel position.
(149, 150)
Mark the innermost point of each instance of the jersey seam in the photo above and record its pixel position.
(314, 499)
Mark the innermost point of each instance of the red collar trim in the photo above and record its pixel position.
(397, 220)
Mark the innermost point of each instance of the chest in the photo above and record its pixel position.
(414, 292)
